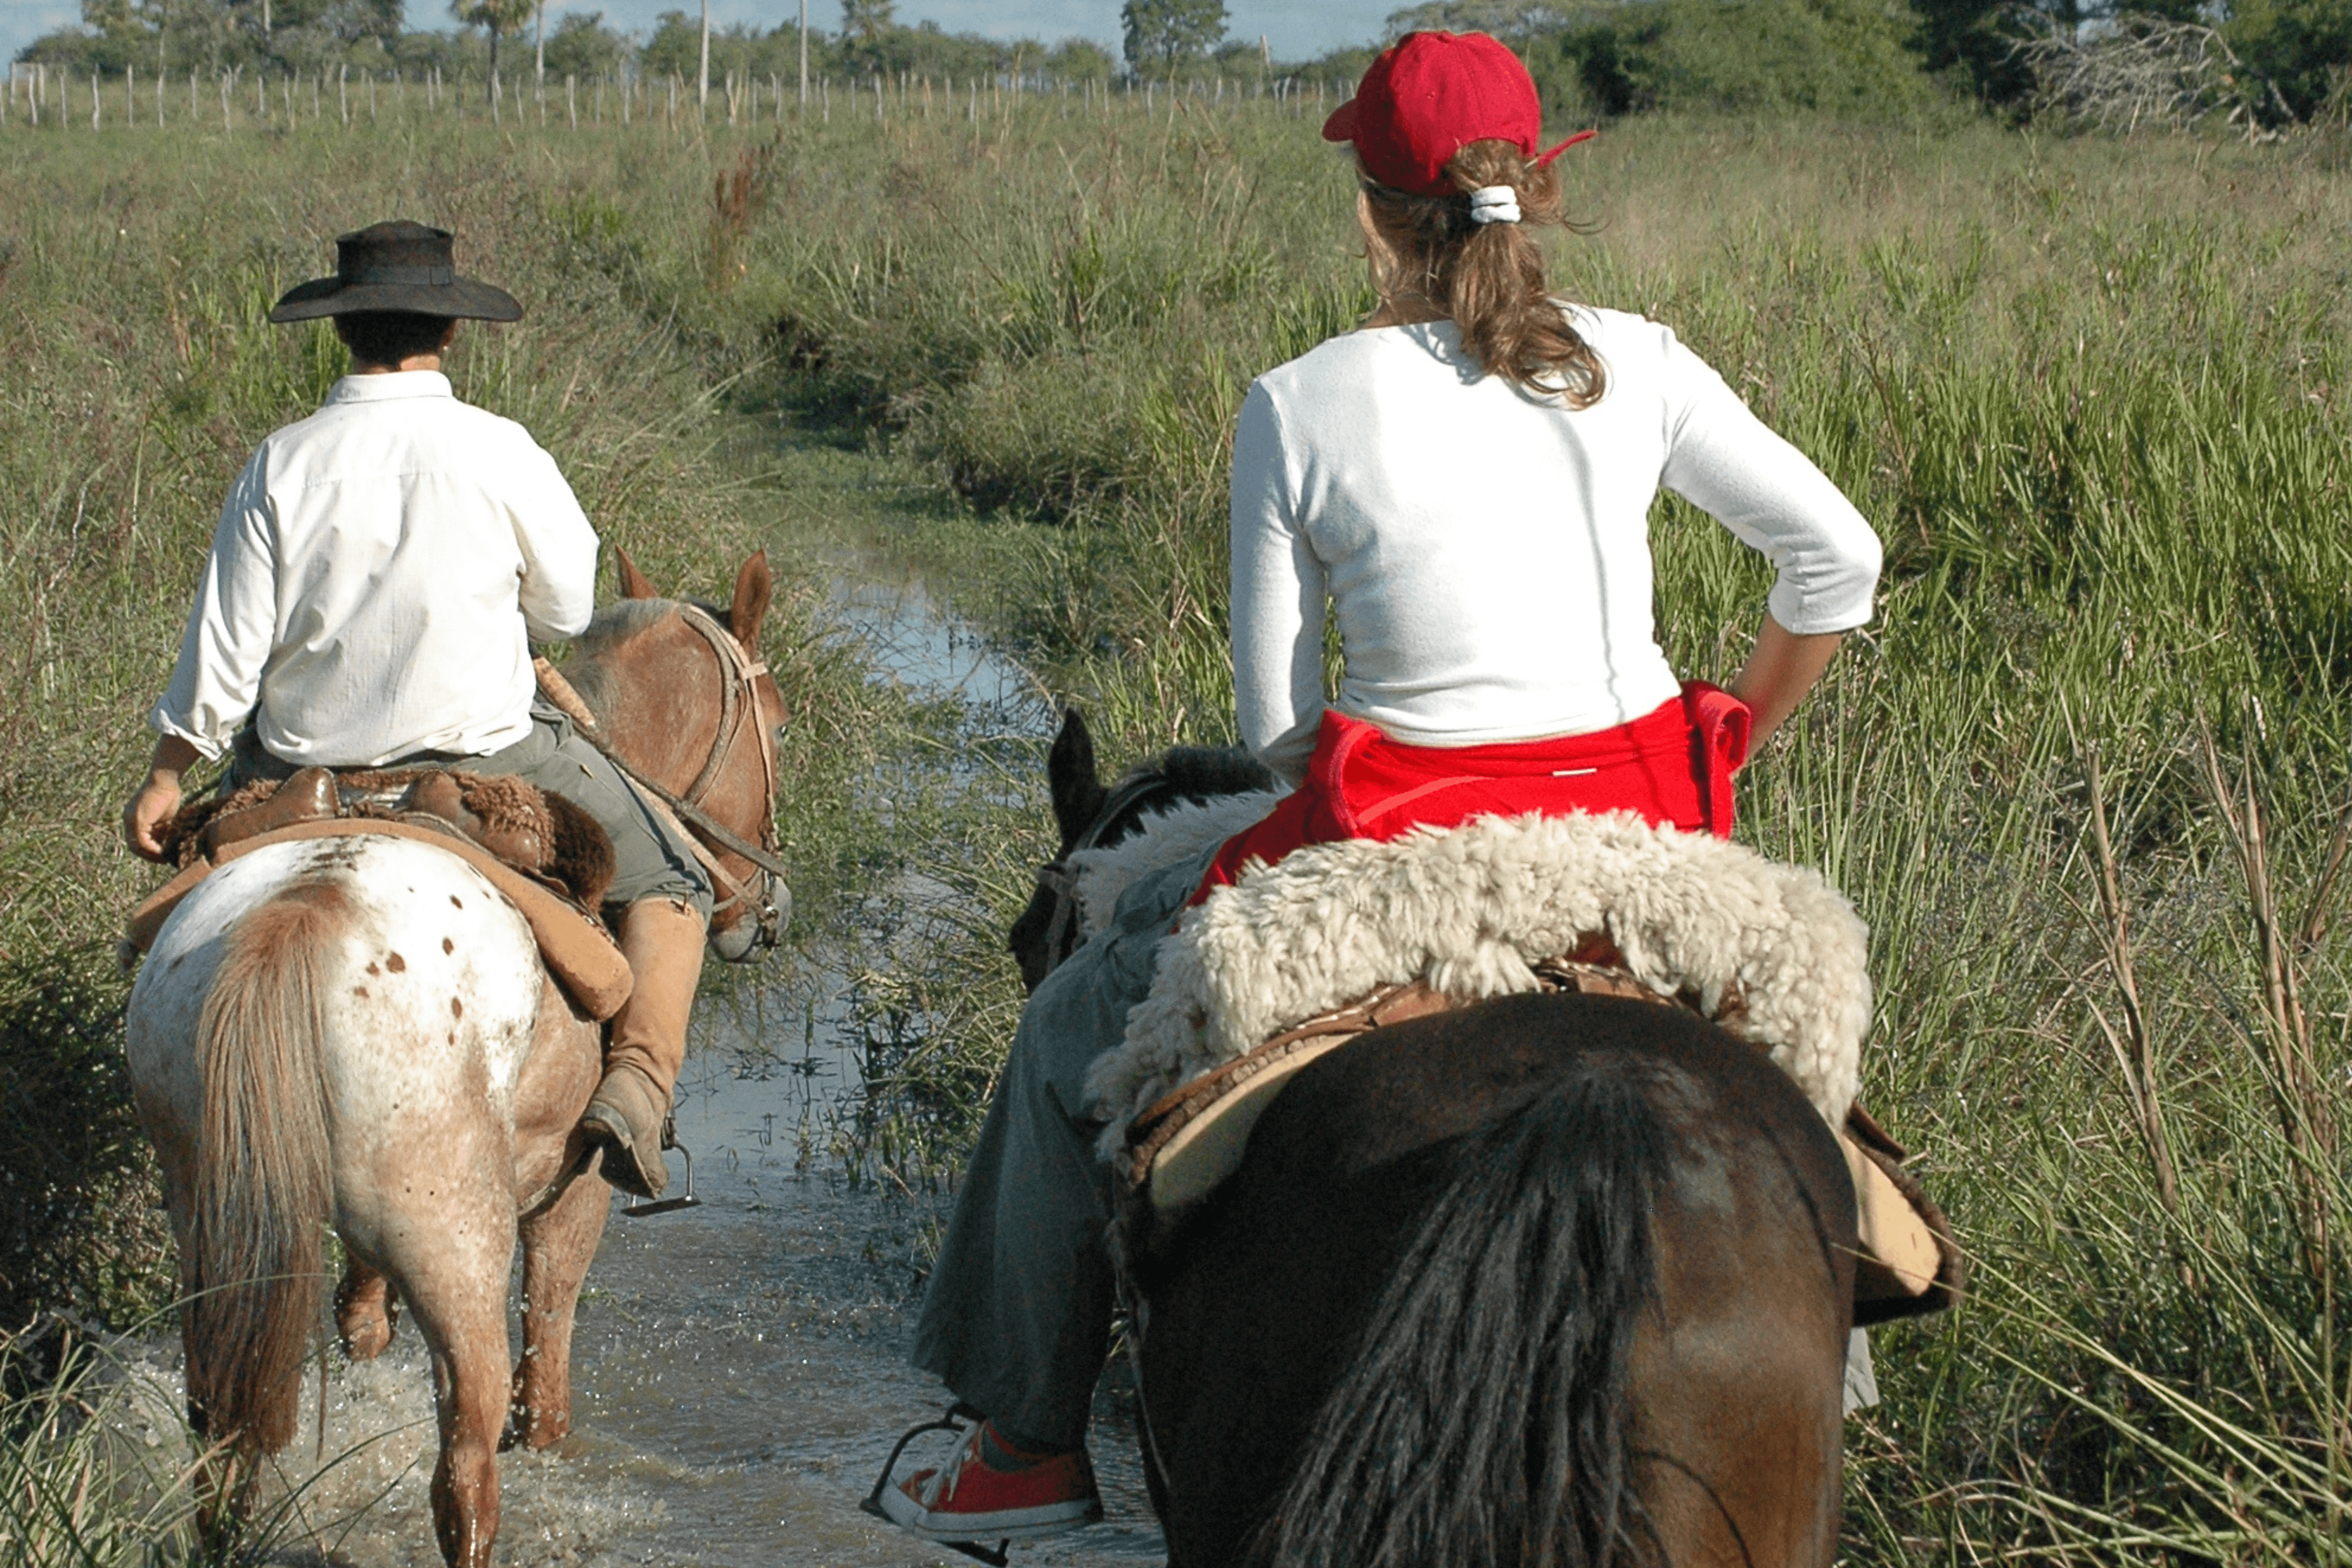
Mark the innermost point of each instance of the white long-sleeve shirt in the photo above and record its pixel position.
(1487, 552)
(376, 576)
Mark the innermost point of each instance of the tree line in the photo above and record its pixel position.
(2270, 61)
(2274, 61)
(1163, 38)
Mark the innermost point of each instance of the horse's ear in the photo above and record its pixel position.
(753, 586)
(1077, 790)
(633, 582)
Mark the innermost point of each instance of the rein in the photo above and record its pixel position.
(738, 695)
(1060, 879)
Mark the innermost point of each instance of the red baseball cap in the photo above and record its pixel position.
(1429, 96)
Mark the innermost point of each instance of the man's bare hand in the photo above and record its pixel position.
(152, 807)
(144, 816)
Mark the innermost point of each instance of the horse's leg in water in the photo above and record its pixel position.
(557, 1244)
(365, 1310)
(445, 1231)
(560, 1234)
(459, 1298)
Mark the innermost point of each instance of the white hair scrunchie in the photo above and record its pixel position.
(1493, 204)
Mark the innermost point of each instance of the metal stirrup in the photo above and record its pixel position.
(951, 1422)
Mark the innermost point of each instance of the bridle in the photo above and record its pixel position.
(739, 698)
(1059, 879)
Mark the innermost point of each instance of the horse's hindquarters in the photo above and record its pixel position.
(429, 990)
(378, 987)
(1284, 1321)
(1739, 1376)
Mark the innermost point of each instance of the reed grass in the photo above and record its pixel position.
(2091, 391)
(2091, 394)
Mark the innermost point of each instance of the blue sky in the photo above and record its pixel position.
(1295, 29)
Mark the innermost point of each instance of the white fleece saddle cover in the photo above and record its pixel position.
(1467, 910)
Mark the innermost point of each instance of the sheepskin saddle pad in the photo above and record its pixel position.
(1340, 939)
(1469, 912)
(543, 835)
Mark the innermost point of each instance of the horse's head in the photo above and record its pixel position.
(687, 704)
(1093, 816)
(1048, 931)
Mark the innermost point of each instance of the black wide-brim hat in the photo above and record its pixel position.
(397, 265)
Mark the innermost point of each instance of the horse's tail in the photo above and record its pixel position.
(265, 1183)
(1484, 1419)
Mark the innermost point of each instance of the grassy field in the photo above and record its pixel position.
(138, 269)
(2091, 391)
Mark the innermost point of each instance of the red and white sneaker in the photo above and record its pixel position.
(970, 1500)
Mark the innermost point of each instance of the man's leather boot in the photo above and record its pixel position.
(661, 939)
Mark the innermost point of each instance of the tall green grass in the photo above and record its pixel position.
(2092, 394)
(138, 268)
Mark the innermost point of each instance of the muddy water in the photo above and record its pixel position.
(739, 1369)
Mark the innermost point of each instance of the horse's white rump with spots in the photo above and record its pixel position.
(429, 988)
(430, 995)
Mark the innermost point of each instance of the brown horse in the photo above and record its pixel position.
(1557, 1279)
(359, 1031)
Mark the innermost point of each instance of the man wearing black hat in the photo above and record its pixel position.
(377, 576)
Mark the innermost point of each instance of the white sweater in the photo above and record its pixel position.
(1488, 552)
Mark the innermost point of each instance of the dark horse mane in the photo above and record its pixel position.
(1421, 1324)
(1497, 1353)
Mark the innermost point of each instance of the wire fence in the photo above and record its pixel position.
(60, 99)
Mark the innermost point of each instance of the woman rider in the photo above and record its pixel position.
(1466, 481)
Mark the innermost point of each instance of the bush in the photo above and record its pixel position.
(1846, 57)
(2301, 46)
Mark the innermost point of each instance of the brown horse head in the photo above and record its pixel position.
(680, 688)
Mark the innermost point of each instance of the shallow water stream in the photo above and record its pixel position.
(739, 1369)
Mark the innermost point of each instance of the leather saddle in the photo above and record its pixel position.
(540, 834)
(549, 857)
(1185, 1144)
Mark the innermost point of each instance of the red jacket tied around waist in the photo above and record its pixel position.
(1674, 765)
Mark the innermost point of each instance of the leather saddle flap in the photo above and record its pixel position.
(576, 950)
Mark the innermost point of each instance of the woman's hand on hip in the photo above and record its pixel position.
(1778, 672)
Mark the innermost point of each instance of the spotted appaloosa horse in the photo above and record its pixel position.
(1560, 1280)
(359, 1031)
